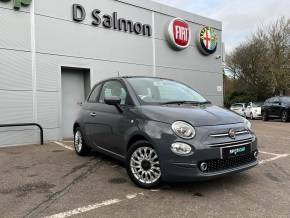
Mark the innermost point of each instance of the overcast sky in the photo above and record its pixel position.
(239, 17)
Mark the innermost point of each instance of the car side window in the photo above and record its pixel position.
(94, 94)
(275, 100)
(270, 101)
(116, 89)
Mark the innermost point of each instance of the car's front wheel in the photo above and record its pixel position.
(143, 165)
(80, 146)
(284, 116)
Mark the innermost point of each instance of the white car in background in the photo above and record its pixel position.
(239, 108)
(253, 110)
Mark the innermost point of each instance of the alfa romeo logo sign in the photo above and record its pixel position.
(207, 40)
(179, 34)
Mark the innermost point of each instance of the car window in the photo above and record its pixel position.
(285, 99)
(237, 106)
(257, 104)
(114, 88)
(160, 91)
(94, 94)
(275, 100)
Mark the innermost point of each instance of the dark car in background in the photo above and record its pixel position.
(164, 131)
(276, 107)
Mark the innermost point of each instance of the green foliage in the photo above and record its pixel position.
(236, 97)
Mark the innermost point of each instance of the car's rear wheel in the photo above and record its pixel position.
(284, 116)
(265, 116)
(143, 165)
(80, 146)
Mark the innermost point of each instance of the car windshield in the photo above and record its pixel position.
(162, 91)
(285, 99)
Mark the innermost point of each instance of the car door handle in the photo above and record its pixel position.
(93, 114)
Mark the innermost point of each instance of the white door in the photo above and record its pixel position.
(73, 95)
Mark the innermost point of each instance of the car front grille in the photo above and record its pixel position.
(224, 164)
(232, 143)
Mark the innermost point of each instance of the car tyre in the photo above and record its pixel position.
(265, 116)
(80, 145)
(143, 165)
(284, 116)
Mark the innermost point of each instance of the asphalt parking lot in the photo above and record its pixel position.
(52, 181)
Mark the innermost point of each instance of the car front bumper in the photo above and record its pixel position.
(188, 172)
(205, 148)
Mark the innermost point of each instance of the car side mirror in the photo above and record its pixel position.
(114, 101)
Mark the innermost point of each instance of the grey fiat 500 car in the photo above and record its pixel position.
(164, 131)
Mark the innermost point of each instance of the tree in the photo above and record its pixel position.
(278, 38)
(261, 65)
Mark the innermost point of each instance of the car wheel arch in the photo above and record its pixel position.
(76, 125)
(138, 137)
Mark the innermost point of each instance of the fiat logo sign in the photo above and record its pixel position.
(232, 134)
(179, 34)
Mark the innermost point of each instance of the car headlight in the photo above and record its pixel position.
(183, 130)
(180, 148)
(247, 124)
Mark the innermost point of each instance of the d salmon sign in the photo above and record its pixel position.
(179, 34)
(207, 40)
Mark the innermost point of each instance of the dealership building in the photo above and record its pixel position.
(52, 52)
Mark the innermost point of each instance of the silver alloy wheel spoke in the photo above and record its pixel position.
(149, 155)
(78, 142)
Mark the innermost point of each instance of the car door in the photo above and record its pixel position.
(107, 125)
(275, 108)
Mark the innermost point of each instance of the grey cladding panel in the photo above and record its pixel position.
(73, 39)
(189, 58)
(48, 109)
(48, 69)
(203, 82)
(21, 137)
(15, 29)
(15, 70)
(64, 9)
(16, 107)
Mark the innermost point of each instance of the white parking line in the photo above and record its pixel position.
(93, 206)
(64, 145)
(276, 157)
(264, 152)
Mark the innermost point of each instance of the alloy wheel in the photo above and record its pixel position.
(145, 165)
(78, 141)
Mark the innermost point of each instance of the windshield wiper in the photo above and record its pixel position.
(181, 102)
(187, 102)
(205, 102)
